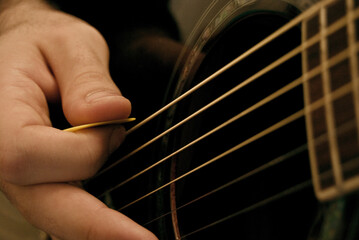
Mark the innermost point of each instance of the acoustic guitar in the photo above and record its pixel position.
(258, 134)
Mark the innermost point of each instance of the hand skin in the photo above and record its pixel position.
(49, 56)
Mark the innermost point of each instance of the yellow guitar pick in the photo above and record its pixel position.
(90, 125)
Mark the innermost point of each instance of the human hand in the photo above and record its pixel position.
(48, 56)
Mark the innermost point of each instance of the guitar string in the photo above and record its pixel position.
(215, 223)
(274, 162)
(278, 93)
(265, 132)
(257, 170)
(217, 100)
(269, 98)
(292, 190)
(299, 187)
(297, 50)
(345, 89)
(294, 22)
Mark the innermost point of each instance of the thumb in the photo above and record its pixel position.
(79, 61)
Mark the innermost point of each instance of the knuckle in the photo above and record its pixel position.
(79, 33)
(89, 78)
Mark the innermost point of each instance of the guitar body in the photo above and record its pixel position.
(231, 160)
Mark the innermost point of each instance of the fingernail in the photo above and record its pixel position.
(117, 137)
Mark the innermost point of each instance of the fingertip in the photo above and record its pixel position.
(102, 108)
(115, 225)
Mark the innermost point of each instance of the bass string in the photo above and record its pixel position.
(319, 103)
(269, 98)
(292, 190)
(316, 38)
(253, 172)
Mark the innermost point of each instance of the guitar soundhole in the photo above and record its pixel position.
(254, 206)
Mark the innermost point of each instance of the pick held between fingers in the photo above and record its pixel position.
(31, 151)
